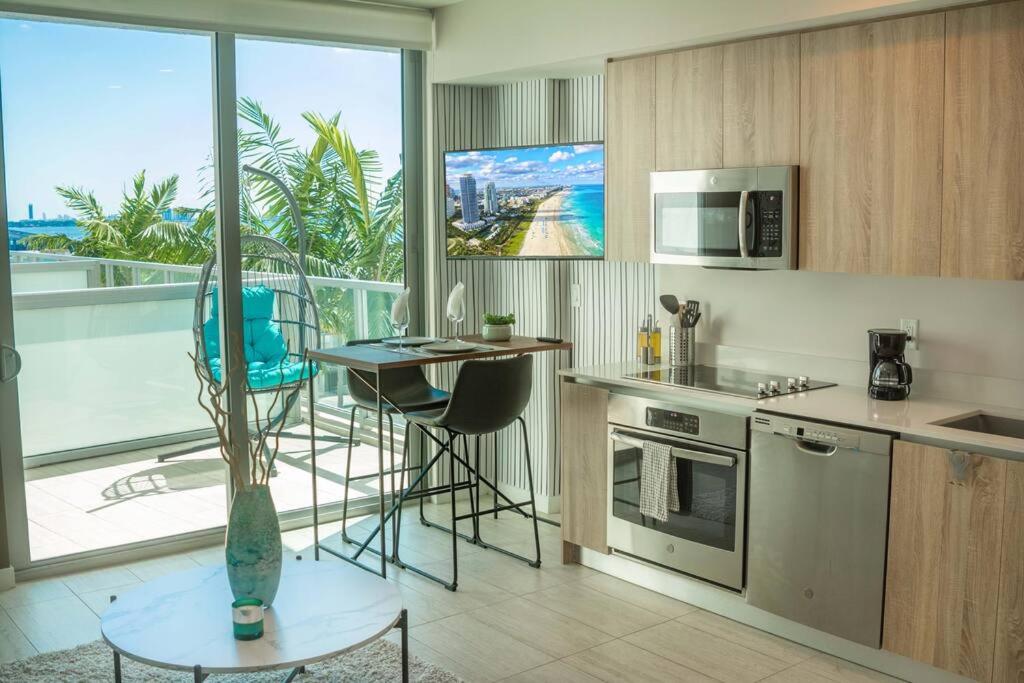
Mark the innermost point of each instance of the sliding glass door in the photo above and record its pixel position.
(123, 149)
(324, 123)
(108, 135)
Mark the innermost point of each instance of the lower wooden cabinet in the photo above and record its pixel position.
(584, 447)
(954, 593)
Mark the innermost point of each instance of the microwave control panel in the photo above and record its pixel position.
(769, 222)
(673, 420)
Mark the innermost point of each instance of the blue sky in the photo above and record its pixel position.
(528, 166)
(91, 106)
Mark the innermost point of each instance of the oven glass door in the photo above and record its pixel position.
(700, 223)
(707, 496)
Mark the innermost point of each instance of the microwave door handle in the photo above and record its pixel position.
(742, 224)
(684, 453)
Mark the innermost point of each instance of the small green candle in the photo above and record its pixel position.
(247, 616)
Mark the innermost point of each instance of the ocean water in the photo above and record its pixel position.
(586, 205)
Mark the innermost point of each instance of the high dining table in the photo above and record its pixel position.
(375, 358)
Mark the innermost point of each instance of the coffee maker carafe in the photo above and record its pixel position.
(889, 375)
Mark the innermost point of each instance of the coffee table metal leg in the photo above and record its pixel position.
(117, 667)
(295, 672)
(405, 645)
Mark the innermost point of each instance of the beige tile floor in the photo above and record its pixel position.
(116, 499)
(507, 621)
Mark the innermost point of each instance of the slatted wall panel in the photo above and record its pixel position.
(612, 294)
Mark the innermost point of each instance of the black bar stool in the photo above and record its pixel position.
(404, 390)
(489, 395)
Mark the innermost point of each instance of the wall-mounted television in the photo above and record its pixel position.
(525, 202)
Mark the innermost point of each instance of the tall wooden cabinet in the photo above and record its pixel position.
(583, 439)
(629, 153)
(871, 147)
(983, 160)
(954, 578)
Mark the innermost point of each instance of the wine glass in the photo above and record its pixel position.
(400, 316)
(456, 309)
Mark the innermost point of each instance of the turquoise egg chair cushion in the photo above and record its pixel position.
(266, 352)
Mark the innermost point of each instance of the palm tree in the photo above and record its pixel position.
(352, 230)
(137, 232)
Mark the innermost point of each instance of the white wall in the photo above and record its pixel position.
(493, 41)
(971, 331)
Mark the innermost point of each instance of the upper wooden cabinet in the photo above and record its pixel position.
(871, 147)
(629, 151)
(983, 160)
(688, 100)
(909, 134)
(762, 102)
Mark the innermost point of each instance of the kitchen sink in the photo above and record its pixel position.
(986, 424)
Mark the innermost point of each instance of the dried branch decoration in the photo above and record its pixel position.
(258, 444)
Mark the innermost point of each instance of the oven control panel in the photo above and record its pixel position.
(673, 420)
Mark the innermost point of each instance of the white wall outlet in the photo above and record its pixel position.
(909, 325)
(574, 295)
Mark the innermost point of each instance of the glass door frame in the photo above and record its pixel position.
(14, 535)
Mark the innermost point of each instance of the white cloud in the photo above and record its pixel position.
(583, 149)
(509, 160)
(560, 156)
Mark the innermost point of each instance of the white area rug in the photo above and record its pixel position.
(94, 662)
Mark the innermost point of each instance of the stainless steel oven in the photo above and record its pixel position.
(704, 537)
(726, 217)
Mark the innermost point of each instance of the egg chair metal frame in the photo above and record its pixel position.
(267, 263)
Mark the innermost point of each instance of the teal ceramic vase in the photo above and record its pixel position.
(252, 549)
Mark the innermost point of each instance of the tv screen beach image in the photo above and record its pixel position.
(526, 202)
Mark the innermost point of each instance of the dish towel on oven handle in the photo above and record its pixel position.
(659, 485)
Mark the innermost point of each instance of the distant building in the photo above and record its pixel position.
(491, 199)
(449, 206)
(31, 212)
(467, 196)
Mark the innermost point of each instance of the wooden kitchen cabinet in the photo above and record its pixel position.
(762, 102)
(629, 151)
(583, 441)
(688, 103)
(953, 581)
(1009, 655)
(871, 147)
(983, 160)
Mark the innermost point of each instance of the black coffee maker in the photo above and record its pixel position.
(889, 376)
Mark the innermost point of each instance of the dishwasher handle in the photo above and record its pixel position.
(676, 452)
(820, 450)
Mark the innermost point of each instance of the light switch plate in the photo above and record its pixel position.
(909, 325)
(574, 295)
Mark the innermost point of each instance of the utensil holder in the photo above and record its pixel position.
(683, 346)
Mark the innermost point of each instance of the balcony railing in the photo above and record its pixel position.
(104, 343)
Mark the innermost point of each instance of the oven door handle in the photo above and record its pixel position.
(684, 453)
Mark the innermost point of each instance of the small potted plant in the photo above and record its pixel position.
(498, 327)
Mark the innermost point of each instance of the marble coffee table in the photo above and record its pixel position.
(183, 621)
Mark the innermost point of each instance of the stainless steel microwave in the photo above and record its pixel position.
(726, 217)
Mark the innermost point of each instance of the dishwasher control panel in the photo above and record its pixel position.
(808, 431)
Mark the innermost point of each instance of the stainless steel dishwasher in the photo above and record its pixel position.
(816, 529)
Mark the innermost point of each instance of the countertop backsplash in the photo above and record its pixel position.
(971, 345)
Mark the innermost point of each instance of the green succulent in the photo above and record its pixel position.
(497, 319)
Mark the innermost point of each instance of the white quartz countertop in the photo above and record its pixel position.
(841, 404)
